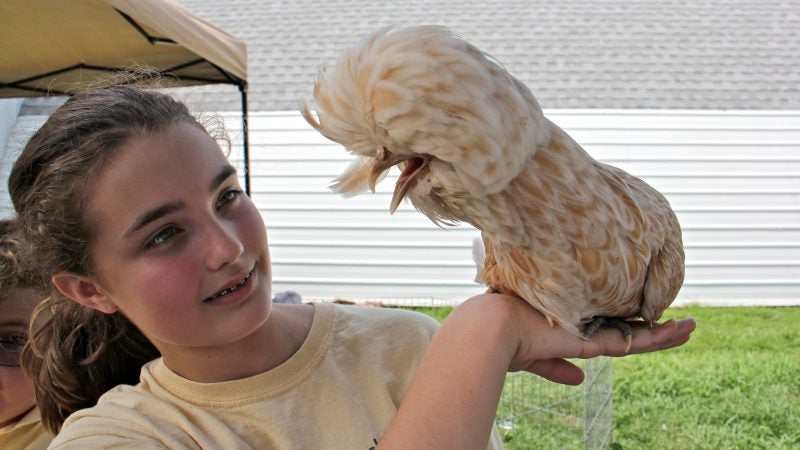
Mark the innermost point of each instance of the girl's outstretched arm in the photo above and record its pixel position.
(453, 397)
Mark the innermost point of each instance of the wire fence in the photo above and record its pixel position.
(536, 413)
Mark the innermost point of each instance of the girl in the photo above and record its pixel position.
(155, 254)
(20, 424)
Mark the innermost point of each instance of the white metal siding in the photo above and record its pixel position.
(733, 178)
(20, 130)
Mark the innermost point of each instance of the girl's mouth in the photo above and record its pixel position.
(233, 288)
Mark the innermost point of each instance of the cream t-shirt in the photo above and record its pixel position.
(26, 434)
(338, 391)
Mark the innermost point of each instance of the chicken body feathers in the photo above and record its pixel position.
(582, 239)
(575, 238)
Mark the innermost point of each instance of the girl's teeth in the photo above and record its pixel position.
(232, 288)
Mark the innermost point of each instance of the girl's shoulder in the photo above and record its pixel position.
(395, 337)
(122, 418)
(386, 320)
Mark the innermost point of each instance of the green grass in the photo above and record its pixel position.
(438, 313)
(735, 385)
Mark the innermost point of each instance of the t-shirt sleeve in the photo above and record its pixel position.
(119, 423)
(105, 441)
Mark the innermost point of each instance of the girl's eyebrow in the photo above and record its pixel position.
(223, 175)
(152, 215)
(169, 208)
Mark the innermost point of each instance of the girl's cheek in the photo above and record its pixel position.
(253, 225)
(173, 277)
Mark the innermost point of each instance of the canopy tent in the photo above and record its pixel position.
(55, 47)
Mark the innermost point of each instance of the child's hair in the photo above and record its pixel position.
(75, 354)
(15, 272)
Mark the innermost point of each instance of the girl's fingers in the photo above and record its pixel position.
(557, 370)
(610, 342)
(669, 334)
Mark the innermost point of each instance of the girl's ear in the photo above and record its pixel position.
(85, 291)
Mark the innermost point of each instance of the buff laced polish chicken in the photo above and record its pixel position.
(585, 243)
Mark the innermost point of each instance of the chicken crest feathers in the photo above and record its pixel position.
(425, 91)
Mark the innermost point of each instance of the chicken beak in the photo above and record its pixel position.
(383, 162)
(376, 173)
(412, 171)
(400, 191)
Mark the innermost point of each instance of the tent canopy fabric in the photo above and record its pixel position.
(57, 47)
(53, 47)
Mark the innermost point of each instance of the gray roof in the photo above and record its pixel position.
(676, 54)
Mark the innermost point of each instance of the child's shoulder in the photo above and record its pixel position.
(382, 313)
(385, 320)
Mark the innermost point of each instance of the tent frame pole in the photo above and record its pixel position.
(245, 140)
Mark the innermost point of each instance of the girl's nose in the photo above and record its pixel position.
(223, 244)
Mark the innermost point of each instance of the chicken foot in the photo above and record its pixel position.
(609, 322)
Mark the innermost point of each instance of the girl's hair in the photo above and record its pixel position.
(75, 353)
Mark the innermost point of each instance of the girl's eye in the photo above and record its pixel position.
(228, 197)
(161, 237)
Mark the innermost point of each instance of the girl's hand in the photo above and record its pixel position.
(542, 349)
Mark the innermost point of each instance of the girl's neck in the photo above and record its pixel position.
(269, 346)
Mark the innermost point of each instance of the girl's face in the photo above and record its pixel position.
(16, 390)
(178, 248)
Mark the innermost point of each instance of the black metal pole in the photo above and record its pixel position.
(245, 141)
